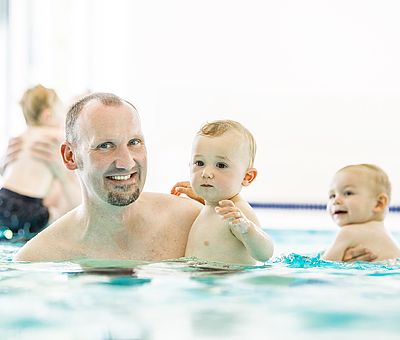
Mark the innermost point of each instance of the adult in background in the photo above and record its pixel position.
(35, 183)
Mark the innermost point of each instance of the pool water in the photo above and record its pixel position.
(293, 296)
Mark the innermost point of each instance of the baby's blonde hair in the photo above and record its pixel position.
(35, 100)
(219, 127)
(380, 178)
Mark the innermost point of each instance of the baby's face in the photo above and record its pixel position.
(219, 165)
(352, 197)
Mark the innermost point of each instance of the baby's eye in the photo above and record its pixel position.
(221, 165)
(198, 163)
(348, 193)
(331, 196)
(105, 146)
(135, 141)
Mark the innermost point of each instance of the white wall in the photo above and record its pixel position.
(317, 82)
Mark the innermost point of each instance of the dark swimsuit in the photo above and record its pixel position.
(22, 213)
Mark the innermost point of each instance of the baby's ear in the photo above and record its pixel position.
(250, 176)
(381, 202)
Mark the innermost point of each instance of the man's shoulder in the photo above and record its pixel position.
(50, 243)
(170, 201)
(247, 210)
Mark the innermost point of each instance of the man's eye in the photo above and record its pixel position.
(198, 163)
(135, 141)
(106, 145)
(221, 165)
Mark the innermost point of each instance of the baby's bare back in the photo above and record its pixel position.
(372, 235)
(376, 238)
(26, 175)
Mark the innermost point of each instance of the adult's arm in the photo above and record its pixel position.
(65, 192)
(358, 253)
(13, 149)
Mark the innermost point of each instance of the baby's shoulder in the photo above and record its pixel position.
(243, 205)
(33, 134)
(354, 231)
(247, 210)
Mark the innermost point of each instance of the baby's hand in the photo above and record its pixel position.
(185, 188)
(238, 223)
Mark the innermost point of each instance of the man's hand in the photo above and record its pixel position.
(47, 150)
(185, 188)
(358, 253)
(13, 149)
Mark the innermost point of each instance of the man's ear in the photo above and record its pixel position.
(250, 176)
(68, 156)
(382, 202)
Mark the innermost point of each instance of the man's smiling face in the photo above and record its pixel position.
(110, 153)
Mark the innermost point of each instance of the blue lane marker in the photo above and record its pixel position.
(303, 206)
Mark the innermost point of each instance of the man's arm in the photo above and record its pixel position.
(52, 243)
(358, 253)
(39, 249)
(31, 251)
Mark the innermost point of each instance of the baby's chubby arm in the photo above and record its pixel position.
(257, 242)
(343, 241)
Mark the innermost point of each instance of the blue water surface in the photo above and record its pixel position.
(295, 295)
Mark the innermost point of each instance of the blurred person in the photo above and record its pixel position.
(36, 188)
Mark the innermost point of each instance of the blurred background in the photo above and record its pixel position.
(316, 81)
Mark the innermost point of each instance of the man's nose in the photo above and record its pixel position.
(124, 158)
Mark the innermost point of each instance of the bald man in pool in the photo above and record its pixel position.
(116, 220)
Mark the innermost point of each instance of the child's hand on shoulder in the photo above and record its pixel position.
(185, 187)
(234, 217)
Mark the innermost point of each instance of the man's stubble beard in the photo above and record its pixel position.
(120, 200)
(115, 198)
